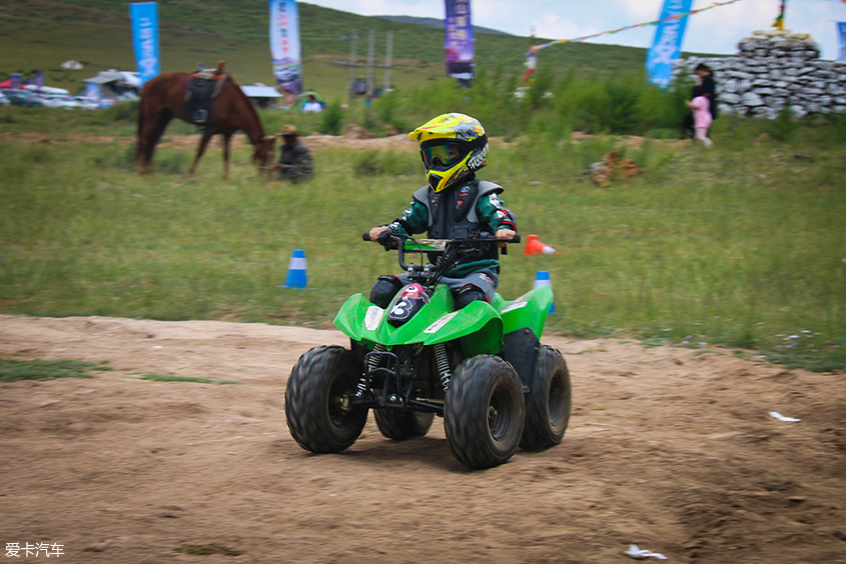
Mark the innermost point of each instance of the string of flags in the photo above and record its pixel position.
(537, 48)
(531, 56)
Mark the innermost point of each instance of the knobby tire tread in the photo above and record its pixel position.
(466, 411)
(306, 400)
(539, 432)
(402, 425)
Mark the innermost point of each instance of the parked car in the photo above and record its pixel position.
(3, 100)
(22, 98)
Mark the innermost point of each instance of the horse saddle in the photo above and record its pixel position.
(203, 87)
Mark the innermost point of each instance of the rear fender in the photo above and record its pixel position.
(527, 311)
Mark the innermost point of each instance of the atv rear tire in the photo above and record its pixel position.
(316, 388)
(402, 425)
(483, 412)
(548, 402)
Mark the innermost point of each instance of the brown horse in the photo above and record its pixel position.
(163, 98)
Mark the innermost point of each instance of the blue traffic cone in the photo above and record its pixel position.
(542, 279)
(297, 271)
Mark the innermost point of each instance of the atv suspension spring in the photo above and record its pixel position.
(372, 364)
(443, 365)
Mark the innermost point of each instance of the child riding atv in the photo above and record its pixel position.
(454, 204)
(438, 340)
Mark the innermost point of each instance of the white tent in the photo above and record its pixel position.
(261, 95)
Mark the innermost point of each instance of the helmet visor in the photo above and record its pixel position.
(441, 157)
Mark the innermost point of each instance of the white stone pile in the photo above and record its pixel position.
(774, 70)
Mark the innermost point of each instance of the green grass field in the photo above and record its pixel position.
(742, 245)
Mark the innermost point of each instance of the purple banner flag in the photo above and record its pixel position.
(285, 47)
(458, 40)
(37, 79)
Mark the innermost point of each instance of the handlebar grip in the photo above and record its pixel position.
(515, 239)
(365, 236)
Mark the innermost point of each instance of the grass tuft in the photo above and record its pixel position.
(16, 370)
(170, 378)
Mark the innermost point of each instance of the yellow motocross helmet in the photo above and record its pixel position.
(452, 146)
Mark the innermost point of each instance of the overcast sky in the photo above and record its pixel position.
(717, 30)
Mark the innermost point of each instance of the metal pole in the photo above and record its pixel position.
(353, 37)
(388, 61)
(370, 49)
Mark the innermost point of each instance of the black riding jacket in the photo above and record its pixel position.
(465, 209)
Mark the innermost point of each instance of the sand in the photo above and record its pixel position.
(671, 449)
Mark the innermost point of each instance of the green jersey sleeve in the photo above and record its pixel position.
(493, 215)
(414, 220)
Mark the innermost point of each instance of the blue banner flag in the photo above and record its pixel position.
(458, 40)
(285, 47)
(666, 47)
(92, 90)
(145, 38)
(841, 27)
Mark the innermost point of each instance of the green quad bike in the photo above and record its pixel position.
(482, 368)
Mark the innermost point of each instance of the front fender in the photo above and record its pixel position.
(356, 315)
(478, 325)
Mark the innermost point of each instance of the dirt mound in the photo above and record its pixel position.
(670, 449)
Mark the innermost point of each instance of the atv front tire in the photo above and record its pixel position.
(483, 412)
(402, 425)
(321, 382)
(548, 402)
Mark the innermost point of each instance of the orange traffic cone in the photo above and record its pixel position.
(535, 246)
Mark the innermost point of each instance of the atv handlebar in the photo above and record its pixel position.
(451, 250)
(393, 237)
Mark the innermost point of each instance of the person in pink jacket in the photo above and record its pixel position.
(700, 105)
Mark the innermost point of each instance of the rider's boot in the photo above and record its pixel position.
(384, 290)
(468, 294)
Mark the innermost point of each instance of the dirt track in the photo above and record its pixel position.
(667, 448)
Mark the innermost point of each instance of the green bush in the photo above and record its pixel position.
(124, 111)
(622, 106)
(388, 109)
(366, 163)
(782, 128)
(440, 97)
(390, 163)
(332, 119)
